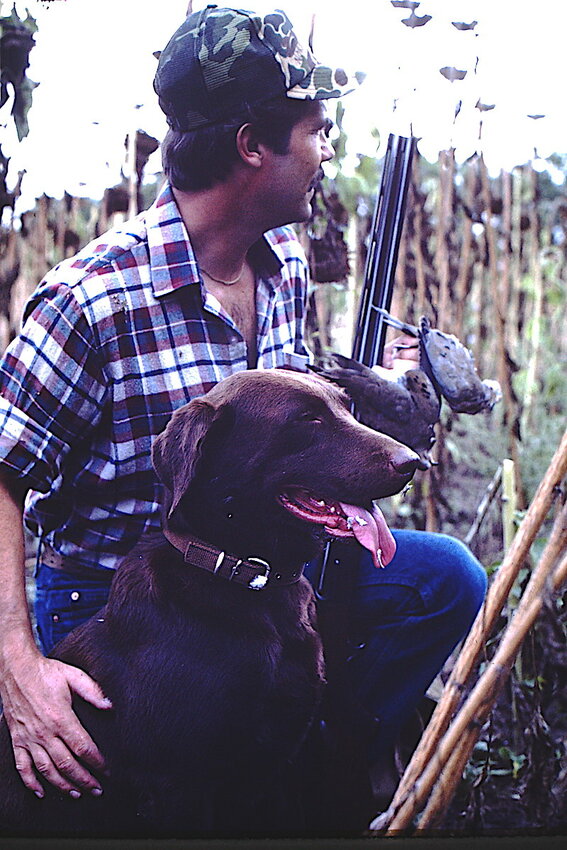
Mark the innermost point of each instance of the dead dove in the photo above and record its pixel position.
(450, 366)
(405, 409)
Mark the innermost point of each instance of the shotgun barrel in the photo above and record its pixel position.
(386, 232)
(370, 335)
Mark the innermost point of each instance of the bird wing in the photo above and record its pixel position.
(405, 409)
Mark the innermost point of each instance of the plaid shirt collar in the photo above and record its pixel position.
(172, 260)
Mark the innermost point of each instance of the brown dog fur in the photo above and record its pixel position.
(217, 688)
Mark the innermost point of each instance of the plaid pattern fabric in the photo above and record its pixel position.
(113, 341)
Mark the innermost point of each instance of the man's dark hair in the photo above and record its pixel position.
(198, 159)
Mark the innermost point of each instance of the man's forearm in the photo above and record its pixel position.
(16, 634)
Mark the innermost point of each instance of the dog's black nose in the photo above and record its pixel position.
(404, 461)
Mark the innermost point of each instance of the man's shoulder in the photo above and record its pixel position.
(284, 235)
(285, 243)
(122, 247)
(114, 261)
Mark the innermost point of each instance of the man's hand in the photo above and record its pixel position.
(400, 355)
(403, 347)
(46, 734)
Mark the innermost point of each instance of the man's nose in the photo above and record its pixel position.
(327, 150)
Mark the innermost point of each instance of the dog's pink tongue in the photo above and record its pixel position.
(371, 531)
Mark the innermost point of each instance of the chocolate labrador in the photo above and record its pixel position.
(208, 646)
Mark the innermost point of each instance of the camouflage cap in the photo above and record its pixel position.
(221, 61)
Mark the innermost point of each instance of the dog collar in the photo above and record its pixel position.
(251, 572)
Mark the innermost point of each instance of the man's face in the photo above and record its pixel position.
(291, 177)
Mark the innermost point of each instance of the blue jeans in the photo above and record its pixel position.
(63, 601)
(408, 618)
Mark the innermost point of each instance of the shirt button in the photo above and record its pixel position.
(75, 595)
(55, 618)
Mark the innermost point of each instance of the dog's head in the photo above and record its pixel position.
(270, 458)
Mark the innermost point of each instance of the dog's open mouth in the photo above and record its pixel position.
(343, 520)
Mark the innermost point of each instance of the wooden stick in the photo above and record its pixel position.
(509, 502)
(478, 705)
(452, 772)
(481, 628)
(484, 505)
(450, 775)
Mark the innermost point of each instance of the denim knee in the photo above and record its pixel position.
(460, 581)
(429, 574)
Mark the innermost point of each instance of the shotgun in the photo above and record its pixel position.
(380, 268)
(379, 277)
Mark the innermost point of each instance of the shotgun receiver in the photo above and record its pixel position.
(379, 276)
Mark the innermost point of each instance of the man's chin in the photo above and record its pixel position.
(301, 214)
(307, 210)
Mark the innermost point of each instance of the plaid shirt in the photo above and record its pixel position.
(113, 341)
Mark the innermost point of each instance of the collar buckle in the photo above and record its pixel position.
(259, 582)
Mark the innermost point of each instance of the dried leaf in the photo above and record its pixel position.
(484, 107)
(452, 74)
(460, 25)
(415, 21)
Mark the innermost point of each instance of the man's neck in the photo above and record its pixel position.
(221, 225)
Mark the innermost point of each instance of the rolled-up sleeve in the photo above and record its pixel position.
(52, 387)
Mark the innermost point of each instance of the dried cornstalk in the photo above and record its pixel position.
(499, 287)
(516, 262)
(131, 172)
(444, 220)
(484, 505)
(428, 495)
(40, 238)
(505, 258)
(509, 502)
(445, 766)
(420, 300)
(481, 628)
(537, 308)
(462, 286)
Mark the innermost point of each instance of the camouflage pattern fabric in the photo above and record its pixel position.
(222, 60)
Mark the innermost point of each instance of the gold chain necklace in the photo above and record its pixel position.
(225, 282)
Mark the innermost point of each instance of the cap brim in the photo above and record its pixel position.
(325, 82)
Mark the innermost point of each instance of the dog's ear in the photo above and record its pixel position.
(176, 451)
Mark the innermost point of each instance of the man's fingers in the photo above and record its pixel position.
(80, 743)
(47, 736)
(59, 766)
(403, 347)
(24, 766)
(61, 770)
(87, 688)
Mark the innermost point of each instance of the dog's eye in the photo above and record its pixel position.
(310, 416)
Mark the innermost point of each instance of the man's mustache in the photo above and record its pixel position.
(317, 179)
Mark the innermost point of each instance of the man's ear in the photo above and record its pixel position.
(250, 149)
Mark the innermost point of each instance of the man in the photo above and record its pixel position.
(207, 282)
